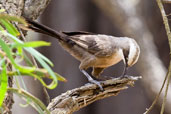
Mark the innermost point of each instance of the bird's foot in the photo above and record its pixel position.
(98, 83)
(91, 80)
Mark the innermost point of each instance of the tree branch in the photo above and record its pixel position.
(78, 98)
(33, 8)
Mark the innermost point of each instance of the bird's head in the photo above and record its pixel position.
(131, 52)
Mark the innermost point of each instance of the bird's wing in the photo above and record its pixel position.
(99, 45)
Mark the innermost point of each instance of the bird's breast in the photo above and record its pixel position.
(110, 60)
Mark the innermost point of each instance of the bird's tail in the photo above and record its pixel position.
(37, 27)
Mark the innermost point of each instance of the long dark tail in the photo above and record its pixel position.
(37, 27)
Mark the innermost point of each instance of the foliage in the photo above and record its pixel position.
(13, 47)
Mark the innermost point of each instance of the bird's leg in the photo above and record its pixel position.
(97, 71)
(124, 71)
(90, 79)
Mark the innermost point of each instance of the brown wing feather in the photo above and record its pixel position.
(99, 45)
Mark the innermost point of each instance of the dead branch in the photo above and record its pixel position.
(78, 98)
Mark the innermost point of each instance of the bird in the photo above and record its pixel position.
(98, 51)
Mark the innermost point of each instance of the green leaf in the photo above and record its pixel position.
(34, 102)
(32, 51)
(8, 53)
(20, 51)
(32, 44)
(10, 28)
(27, 60)
(1, 28)
(11, 36)
(3, 82)
(60, 78)
(52, 85)
(13, 18)
(42, 73)
(55, 81)
(35, 53)
(39, 57)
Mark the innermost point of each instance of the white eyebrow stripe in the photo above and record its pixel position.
(132, 53)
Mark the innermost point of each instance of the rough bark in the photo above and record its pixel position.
(33, 8)
(78, 98)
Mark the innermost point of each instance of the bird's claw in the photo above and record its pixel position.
(98, 83)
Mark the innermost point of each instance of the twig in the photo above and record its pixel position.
(78, 98)
(166, 91)
(167, 77)
(25, 95)
(165, 20)
(158, 95)
(166, 23)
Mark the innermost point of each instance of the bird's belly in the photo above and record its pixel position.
(107, 61)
